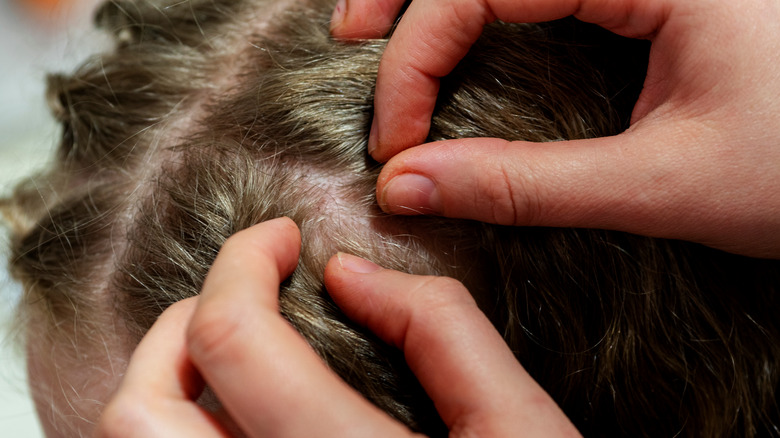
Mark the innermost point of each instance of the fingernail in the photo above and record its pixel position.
(356, 264)
(338, 14)
(372, 137)
(411, 193)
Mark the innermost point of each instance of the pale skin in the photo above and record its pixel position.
(274, 385)
(700, 162)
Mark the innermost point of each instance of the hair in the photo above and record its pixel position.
(210, 116)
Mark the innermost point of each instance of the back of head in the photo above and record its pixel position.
(213, 115)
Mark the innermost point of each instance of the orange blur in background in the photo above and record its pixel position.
(42, 9)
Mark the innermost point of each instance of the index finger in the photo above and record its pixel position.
(467, 369)
(263, 371)
(158, 392)
(433, 36)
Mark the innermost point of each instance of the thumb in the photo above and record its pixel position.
(644, 184)
(512, 183)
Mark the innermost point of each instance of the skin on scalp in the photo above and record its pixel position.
(209, 117)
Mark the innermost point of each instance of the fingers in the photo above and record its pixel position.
(510, 183)
(156, 398)
(446, 339)
(640, 184)
(364, 19)
(707, 81)
(433, 37)
(350, 17)
(258, 365)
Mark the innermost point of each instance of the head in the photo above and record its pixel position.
(212, 115)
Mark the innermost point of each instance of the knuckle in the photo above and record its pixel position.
(212, 332)
(445, 284)
(437, 304)
(441, 292)
(513, 198)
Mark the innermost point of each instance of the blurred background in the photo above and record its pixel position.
(36, 37)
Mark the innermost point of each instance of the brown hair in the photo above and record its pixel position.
(207, 118)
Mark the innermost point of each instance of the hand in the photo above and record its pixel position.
(700, 162)
(234, 337)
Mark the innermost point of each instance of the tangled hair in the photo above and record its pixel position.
(212, 115)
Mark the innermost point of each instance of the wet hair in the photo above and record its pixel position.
(207, 117)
